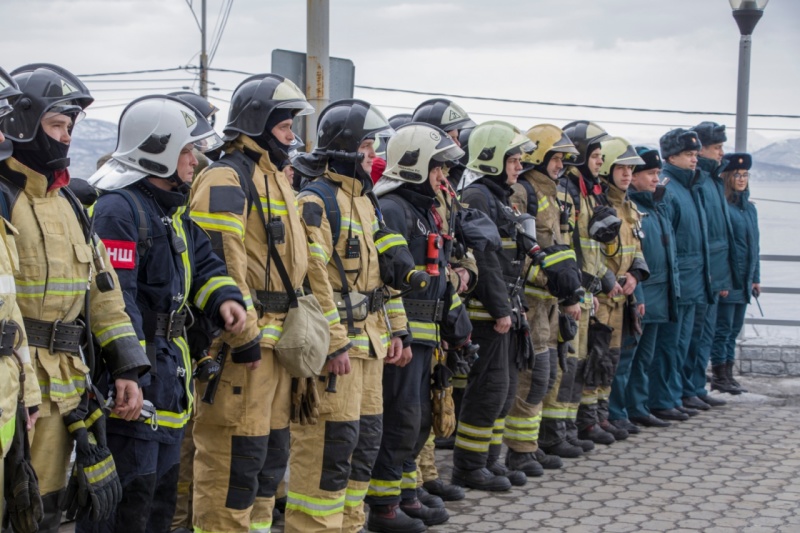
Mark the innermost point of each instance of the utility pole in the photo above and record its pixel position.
(203, 55)
(317, 63)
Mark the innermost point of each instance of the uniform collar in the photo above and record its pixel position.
(352, 186)
(33, 183)
(683, 175)
(644, 198)
(542, 182)
(251, 149)
(615, 195)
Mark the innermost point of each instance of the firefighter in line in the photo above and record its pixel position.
(332, 460)
(416, 158)
(150, 175)
(59, 263)
(247, 206)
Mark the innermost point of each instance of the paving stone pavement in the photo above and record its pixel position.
(734, 469)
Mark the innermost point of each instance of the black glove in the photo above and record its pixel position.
(23, 504)
(94, 489)
(441, 377)
(207, 369)
(599, 364)
(564, 348)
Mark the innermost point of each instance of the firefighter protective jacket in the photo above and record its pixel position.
(220, 206)
(357, 220)
(9, 368)
(55, 269)
(580, 201)
(624, 255)
(411, 214)
(444, 207)
(501, 269)
(548, 224)
(162, 280)
(684, 208)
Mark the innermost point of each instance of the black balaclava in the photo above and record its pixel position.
(166, 199)
(277, 151)
(425, 188)
(43, 154)
(542, 167)
(584, 168)
(501, 178)
(351, 170)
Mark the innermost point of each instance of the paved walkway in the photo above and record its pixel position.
(735, 469)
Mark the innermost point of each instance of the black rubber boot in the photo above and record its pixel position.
(719, 380)
(597, 435)
(392, 519)
(445, 491)
(497, 468)
(428, 499)
(617, 432)
(572, 437)
(431, 516)
(731, 379)
(548, 462)
(524, 462)
(480, 479)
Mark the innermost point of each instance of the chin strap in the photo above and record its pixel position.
(180, 185)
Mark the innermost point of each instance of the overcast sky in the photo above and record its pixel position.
(668, 54)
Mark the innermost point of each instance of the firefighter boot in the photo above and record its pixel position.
(572, 437)
(431, 516)
(428, 499)
(497, 468)
(480, 479)
(548, 462)
(524, 462)
(597, 435)
(445, 491)
(392, 519)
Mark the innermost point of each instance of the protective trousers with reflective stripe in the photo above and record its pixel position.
(406, 426)
(523, 420)
(242, 443)
(426, 462)
(594, 401)
(331, 461)
(486, 398)
(561, 402)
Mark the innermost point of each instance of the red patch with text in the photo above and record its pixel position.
(121, 253)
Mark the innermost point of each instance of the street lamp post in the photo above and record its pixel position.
(747, 13)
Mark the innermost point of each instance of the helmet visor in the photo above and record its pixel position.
(302, 107)
(450, 153)
(629, 158)
(210, 142)
(69, 109)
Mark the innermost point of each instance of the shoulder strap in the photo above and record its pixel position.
(243, 166)
(493, 214)
(322, 188)
(532, 200)
(140, 218)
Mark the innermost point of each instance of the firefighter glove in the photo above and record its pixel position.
(310, 403)
(444, 412)
(23, 503)
(94, 489)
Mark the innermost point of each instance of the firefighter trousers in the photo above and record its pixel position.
(672, 345)
(523, 420)
(561, 403)
(148, 471)
(51, 448)
(183, 505)
(426, 462)
(331, 461)
(594, 400)
(487, 398)
(242, 447)
(406, 427)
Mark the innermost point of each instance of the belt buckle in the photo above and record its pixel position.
(376, 300)
(53, 332)
(169, 325)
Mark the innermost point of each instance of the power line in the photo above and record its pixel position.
(116, 90)
(148, 80)
(567, 119)
(128, 72)
(218, 38)
(555, 104)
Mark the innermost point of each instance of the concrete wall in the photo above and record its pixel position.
(775, 357)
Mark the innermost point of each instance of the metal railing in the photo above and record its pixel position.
(760, 321)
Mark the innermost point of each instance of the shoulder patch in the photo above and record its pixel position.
(312, 214)
(226, 199)
(121, 253)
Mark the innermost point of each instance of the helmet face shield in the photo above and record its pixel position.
(5, 107)
(211, 142)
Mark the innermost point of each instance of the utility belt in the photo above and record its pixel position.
(362, 304)
(56, 336)
(273, 301)
(590, 283)
(167, 325)
(8, 337)
(424, 310)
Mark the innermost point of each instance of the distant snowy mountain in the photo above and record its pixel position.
(91, 140)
